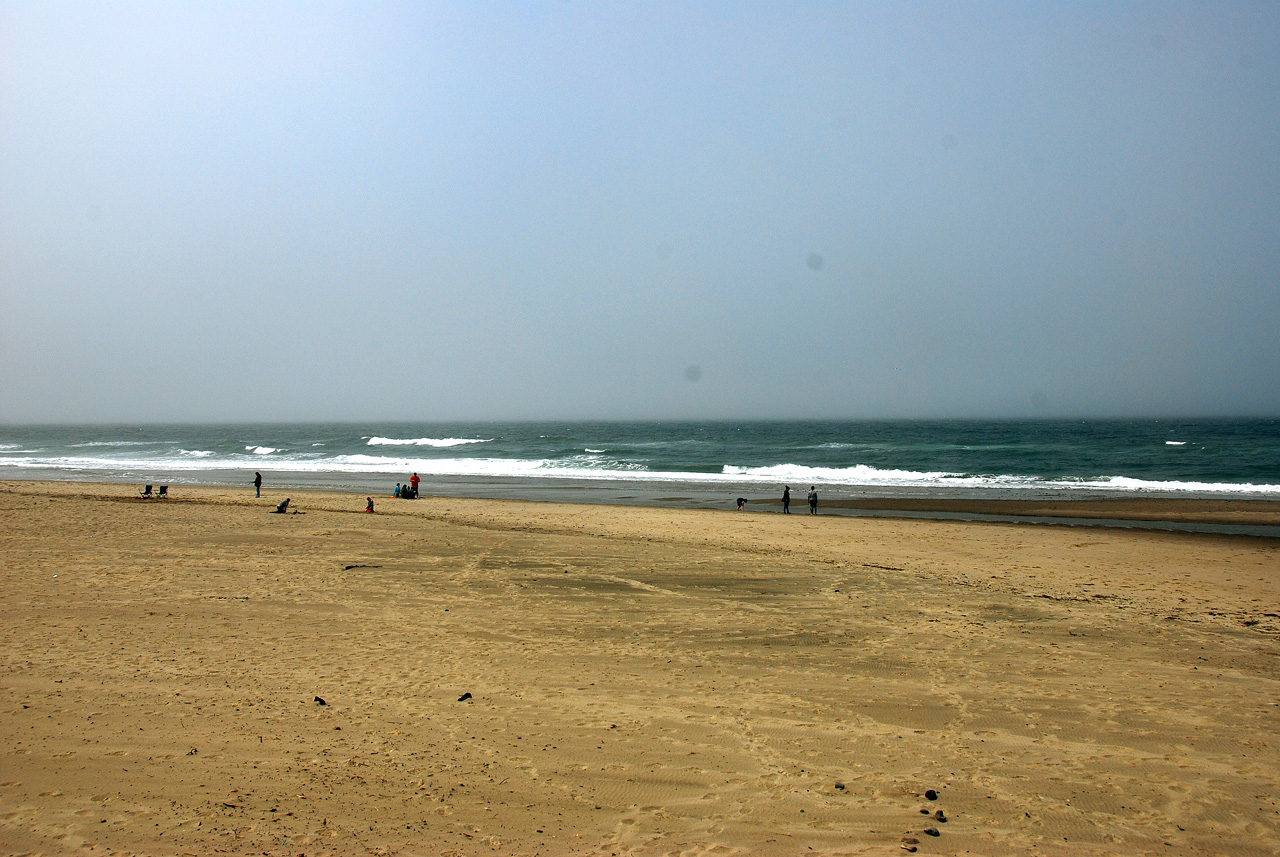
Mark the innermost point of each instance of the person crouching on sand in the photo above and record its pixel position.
(369, 508)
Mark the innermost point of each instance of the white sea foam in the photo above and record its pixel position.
(439, 442)
(594, 451)
(196, 453)
(859, 474)
(594, 467)
(1175, 443)
(6, 446)
(261, 450)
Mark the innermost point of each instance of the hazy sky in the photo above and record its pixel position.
(574, 209)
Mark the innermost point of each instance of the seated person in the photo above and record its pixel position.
(282, 508)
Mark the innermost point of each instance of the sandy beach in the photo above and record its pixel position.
(535, 678)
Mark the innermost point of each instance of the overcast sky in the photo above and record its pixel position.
(638, 210)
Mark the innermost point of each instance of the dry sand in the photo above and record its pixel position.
(643, 681)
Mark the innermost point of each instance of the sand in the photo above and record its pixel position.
(1189, 510)
(642, 681)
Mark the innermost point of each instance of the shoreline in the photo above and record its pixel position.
(1210, 515)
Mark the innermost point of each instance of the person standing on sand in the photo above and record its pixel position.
(257, 484)
(786, 499)
(813, 500)
(413, 481)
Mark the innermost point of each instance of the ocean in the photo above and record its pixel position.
(678, 462)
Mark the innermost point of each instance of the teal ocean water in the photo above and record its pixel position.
(1190, 458)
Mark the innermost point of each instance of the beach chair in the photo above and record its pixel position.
(146, 493)
(164, 492)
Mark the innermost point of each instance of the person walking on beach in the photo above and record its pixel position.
(813, 500)
(257, 484)
(786, 499)
(413, 482)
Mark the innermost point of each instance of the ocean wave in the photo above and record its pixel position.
(196, 453)
(859, 474)
(595, 467)
(89, 443)
(439, 442)
(261, 450)
(1175, 443)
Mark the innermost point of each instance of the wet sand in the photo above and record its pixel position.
(642, 681)
(1188, 510)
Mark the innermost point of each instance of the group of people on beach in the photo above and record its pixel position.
(786, 500)
(409, 490)
(282, 508)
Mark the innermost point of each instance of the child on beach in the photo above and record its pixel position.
(369, 508)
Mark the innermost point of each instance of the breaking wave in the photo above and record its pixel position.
(598, 467)
(439, 442)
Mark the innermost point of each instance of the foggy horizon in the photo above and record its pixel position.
(393, 212)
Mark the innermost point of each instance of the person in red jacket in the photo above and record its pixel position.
(413, 481)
